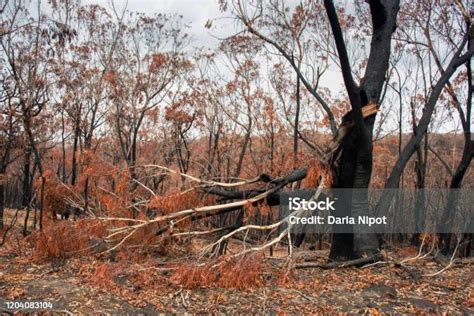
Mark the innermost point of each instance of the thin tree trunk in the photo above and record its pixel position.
(297, 118)
(238, 169)
(63, 148)
(210, 155)
(26, 189)
(2, 196)
(420, 171)
(74, 155)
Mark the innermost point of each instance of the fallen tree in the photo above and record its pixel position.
(236, 200)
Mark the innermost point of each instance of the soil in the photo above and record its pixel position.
(352, 290)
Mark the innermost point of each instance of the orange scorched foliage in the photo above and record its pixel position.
(104, 274)
(244, 273)
(55, 194)
(180, 201)
(318, 172)
(64, 239)
(261, 209)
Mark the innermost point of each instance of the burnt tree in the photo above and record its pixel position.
(355, 165)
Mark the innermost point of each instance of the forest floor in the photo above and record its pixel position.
(91, 284)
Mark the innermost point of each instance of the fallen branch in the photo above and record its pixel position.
(285, 232)
(205, 182)
(338, 264)
(129, 230)
(451, 262)
(172, 218)
(420, 251)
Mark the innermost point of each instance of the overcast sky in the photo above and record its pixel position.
(195, 13)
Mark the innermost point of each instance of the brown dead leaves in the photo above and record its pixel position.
(246, 273)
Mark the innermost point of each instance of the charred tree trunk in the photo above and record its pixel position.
(26, 198)
(2, 195)
(63, 149)
(456, 180)
(238, 169)
(297, 119)
(420, 171)
(342, 246)
(74, 154)
(355, 165)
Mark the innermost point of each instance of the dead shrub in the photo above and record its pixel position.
(192, 276)
(62, 239)
(242, 274)
(55, 194)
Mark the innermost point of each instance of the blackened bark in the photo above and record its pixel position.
(75, 145)
(420, 171)
(272, 199)
(86, 195)
(365, 242)
(63, 149)
(26, 198)
(468, 238)
(2, 197)
(297, 119)
(453, 195)
(74, 155)
(36, 154)
(210, 156)
(43, 183)
(355, 167)
(342, 246)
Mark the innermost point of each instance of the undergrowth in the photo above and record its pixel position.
(245, 273)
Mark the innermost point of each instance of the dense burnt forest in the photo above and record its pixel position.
(142, 170)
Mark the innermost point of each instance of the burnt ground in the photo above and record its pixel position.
(73, 286)
(102, 284)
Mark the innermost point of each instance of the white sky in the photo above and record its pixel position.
(197, 12)
(194, 12)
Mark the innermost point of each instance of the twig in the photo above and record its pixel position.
(145, 187)
(448, 266)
